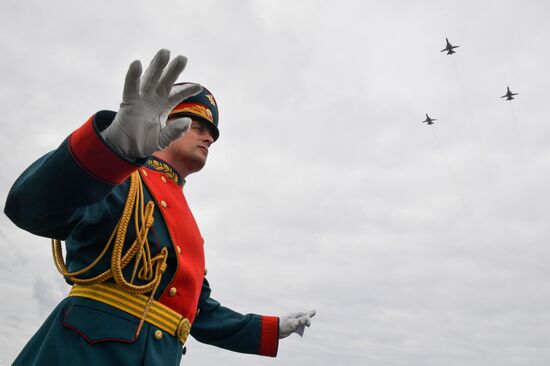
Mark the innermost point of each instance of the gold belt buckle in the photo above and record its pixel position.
(183, 330)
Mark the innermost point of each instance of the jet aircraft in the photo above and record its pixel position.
(449, 48)
(429, 120)
(509, 95)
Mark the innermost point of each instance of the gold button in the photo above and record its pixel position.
(144, 172)
(163, 179)
(163, 204)
(173, 291)
(205, 271)
(178, 249)
(158, 335)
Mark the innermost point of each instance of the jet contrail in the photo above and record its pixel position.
(460, 195)
(523, 162)
(491, 181)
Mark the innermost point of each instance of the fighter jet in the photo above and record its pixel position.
(449, 48)
(429, 120)
(509, 95)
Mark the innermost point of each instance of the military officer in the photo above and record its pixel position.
(113, 192)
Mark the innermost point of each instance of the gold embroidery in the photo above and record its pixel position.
(211, 99)
(164, 168)
(196, 109)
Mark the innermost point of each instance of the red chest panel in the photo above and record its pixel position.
(182, 293)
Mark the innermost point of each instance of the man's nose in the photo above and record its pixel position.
(208, 138)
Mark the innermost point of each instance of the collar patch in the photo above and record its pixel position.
(163, 167)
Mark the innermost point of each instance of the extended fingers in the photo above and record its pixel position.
(170, 75)
(154, 71)
(305, 318)
(159, 78)
(183, 91)
(173, 131)
(131, 83)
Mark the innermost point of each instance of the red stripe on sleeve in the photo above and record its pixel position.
(93, 155)
(269, 336)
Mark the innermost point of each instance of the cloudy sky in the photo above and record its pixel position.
(416, 245)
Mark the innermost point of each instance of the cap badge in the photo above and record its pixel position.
(211, 99)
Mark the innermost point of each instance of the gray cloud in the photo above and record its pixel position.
(325, 191)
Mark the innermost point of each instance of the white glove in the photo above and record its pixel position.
(294, 323)
(139, 128)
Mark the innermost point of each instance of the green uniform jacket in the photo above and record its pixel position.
(76, 193)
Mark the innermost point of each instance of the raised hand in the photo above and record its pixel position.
(139, 128)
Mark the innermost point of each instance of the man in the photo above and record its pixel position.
(113, 192)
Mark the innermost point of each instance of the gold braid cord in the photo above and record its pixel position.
(146, 268)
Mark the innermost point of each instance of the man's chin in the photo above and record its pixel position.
(198, 163)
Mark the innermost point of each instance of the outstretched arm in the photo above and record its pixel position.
(250, 333)
(222, 327)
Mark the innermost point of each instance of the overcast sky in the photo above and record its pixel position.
(417, 245)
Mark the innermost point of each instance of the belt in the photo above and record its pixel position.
(158, 314)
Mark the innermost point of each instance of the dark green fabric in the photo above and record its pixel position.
(223, 327)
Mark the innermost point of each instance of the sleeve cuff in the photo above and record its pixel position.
(269, 336)
(93, 155)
